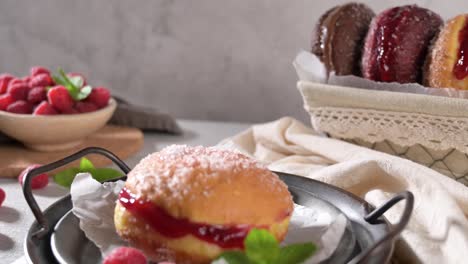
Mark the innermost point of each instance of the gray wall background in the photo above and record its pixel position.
(207, 59)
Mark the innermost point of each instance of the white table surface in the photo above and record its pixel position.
(16, 218)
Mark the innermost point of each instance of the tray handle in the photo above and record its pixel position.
(395, 230)
(27, 192)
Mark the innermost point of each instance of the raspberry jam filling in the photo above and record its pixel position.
(225, 236)
(460, 69)
(387, 38)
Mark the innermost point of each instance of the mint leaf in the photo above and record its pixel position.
(77, 81)
(65, 78)
(84, 92)
(296, 253)
(261, 247)
(72, 89)
(105, 174)
(86, 165)
(58, 80)
(65, 178)
(232, 257)
(74, 85)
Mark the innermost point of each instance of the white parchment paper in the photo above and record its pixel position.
(93, 204)
(310, 68)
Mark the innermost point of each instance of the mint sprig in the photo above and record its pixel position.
(77, 81)
(295, 253)
(65, 177)
(232, 257)
(84, 92)
(74, 85)
(261, 247)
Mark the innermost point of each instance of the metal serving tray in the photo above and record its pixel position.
(55, 236)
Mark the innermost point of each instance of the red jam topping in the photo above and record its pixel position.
(387, 42)
(225, 236)
(460, 69)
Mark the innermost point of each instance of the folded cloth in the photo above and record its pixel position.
(144, 118)
(438, 229)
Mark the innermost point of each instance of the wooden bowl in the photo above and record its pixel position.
(55, 132)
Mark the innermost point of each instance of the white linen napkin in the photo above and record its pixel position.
(438, 229)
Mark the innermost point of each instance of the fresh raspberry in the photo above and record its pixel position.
(85, 107)
(37, 94)
(6, 76)
(73, 74)
(45, 108)
(38, 70)
(20, 107)
(38, 182)
(42, 79)
(26, 79)
(71, 111)
(60, 99)
(18, 90)
(2, 196)
(15, 80)
(4, 81)
(5, 101)
(99, 96)
(125, 255)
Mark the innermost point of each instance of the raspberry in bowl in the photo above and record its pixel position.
(49, 112)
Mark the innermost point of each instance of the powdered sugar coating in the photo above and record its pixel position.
(186, 180)
(441, 60)
(397, 43)
(176, 165)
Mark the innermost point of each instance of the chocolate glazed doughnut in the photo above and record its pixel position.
(397, 43)
(339, 35)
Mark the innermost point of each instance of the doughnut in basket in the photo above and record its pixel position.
(447, 64)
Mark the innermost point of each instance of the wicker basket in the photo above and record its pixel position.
(430, 130)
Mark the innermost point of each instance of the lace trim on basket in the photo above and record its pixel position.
(406, 129)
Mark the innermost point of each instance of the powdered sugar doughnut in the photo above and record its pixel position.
(397, 43)
(447, 64)
(188, 204)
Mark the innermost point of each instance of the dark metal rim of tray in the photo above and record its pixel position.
(374, 236)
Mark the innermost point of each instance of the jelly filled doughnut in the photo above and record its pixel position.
(339, 37)
(397, 43)
(189, 204)
(447, 64)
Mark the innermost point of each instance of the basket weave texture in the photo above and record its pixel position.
(439, 142)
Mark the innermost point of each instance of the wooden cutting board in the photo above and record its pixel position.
(122, 141)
